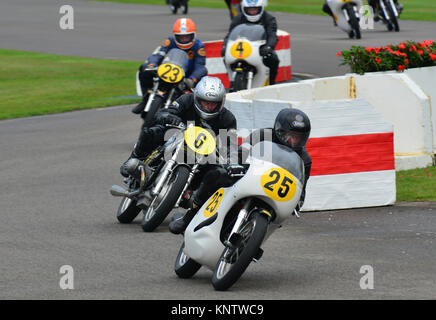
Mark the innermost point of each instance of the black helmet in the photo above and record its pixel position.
(292, 128)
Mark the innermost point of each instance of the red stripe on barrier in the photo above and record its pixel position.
(349, 154)
(283, 43)
(213, 49)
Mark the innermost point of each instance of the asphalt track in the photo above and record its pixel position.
(56, 210)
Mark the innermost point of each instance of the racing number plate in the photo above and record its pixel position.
(170, 73)
(241, 50)
(200, 140)
(278, 184)
(213, 203)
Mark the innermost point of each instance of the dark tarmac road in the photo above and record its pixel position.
(56, 171)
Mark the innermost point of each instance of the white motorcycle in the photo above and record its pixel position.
(227, 232)
(242, 59)
(346, 15)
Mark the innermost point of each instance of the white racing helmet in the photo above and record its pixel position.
(253, 9)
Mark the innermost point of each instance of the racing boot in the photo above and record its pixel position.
(141, 106)
(179, 225)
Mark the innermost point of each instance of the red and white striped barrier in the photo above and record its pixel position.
(216, 67)
(351, 146)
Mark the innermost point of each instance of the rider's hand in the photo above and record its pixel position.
(151, 65)
(235, 170)
(172, 119)
(265, 50)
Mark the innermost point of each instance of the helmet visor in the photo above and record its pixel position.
(291, 138)
(185, 38)
(252, 11)
(210, 106)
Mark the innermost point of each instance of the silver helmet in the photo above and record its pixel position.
(209, 97)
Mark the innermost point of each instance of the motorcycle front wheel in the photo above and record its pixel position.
(234, 261)
(354, 23)
(127, 211)
(240, 82)
(393, 18)
(163, 204)
(185, 267)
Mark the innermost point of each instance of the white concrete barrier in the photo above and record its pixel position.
(351, 146)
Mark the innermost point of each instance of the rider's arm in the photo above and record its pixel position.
(176, 109)
(200, 69)
(157, 57)
(271, 30)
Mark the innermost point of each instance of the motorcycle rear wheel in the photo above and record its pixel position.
(354, 22)
(127, 211)
(154, 216)
(233, 262)
(185, 267)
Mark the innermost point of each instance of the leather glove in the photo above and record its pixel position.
(235, 170)
(172, 119)
(265, 51)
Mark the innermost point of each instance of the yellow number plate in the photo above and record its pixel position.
(241, 50)
(278, 184)
(200, 140)
(213, 203)
(170, 73)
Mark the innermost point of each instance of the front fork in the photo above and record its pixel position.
(188, 183)
(242, 216)
(157, 189)
(151, 97)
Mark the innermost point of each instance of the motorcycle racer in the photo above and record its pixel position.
(253, 11)
(291, 129)
(185, 38)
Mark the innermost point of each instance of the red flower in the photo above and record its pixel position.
(401, 68)
(402, 46)
(378, 60)
(433, 56)
(420, 52)
(338, 54)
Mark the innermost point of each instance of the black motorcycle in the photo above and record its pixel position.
(387, 12)
(168, 83)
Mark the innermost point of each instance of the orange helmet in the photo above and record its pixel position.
(184, 31)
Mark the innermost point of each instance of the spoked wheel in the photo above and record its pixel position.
(185, 267)
(162, 203)
(184, 7)
(234, 261)
(127, 211)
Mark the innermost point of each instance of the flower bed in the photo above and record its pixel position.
(406, 55)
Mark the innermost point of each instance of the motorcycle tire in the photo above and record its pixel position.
(156, 104)
(185, 267)
(240, 82)
(127, 211)
(151, 220)
(354, 23)
(393, 19)
(227, 273)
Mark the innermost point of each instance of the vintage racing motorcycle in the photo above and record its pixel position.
(347, 16)
(160, 182)
(242, 59)
(168, 83)
(228, 231)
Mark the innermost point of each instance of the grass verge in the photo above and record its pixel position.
(36, 83)
(424, 10)
(416, 184)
